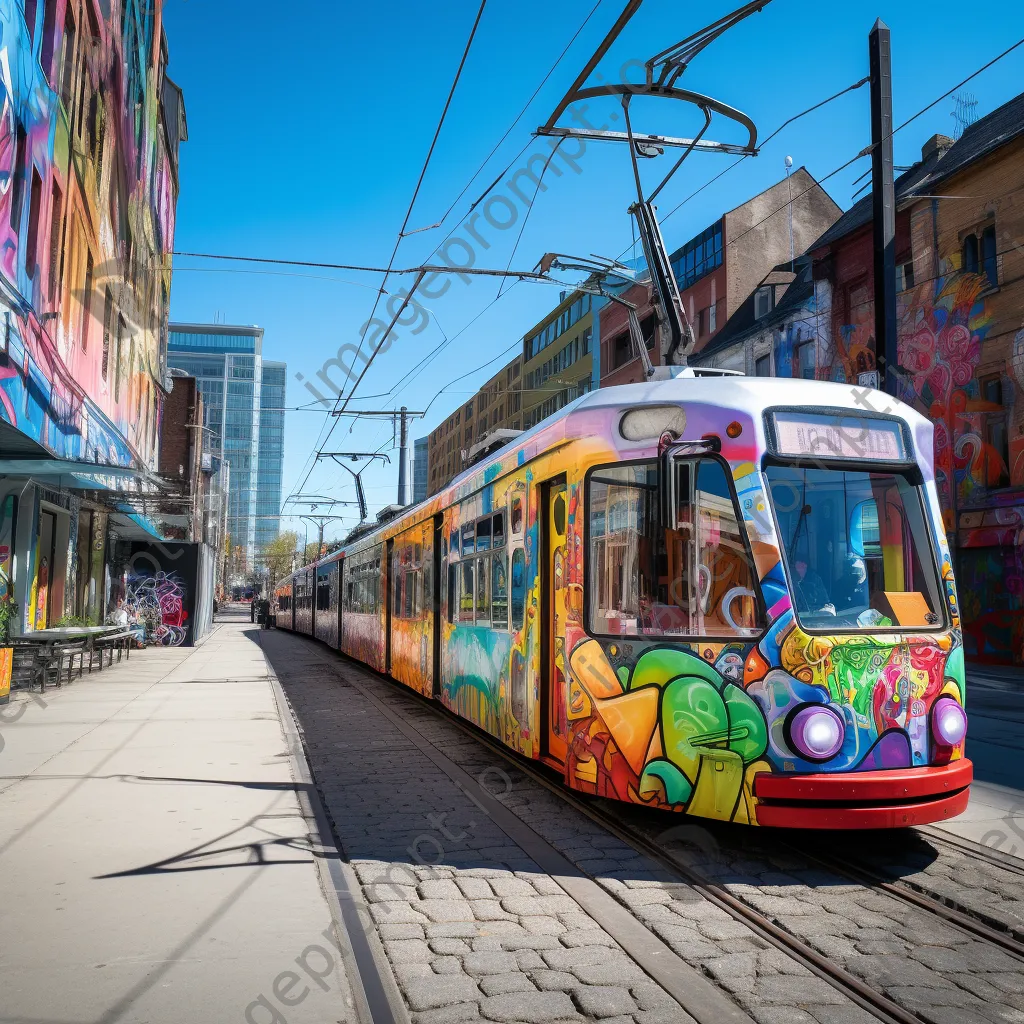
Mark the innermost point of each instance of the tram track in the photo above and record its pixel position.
(976, 851)
(971, 920)
(876, 1003)
(856, 989)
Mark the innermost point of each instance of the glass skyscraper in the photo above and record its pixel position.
(419, 469)
(243, 410)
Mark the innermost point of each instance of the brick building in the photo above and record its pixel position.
(720, 269)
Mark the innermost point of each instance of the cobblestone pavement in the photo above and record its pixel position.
(483, 932)
(988, 891)
(542, 943)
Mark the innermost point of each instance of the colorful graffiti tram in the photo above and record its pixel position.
(720, 595)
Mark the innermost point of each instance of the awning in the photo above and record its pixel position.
(131, 525)
(82, 476)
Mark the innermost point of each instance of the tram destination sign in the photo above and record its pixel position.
(838, 436)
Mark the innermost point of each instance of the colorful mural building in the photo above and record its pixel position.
(88, 188)
(960, 276)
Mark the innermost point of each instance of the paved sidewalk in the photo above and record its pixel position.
(156, 864)
(995, 743)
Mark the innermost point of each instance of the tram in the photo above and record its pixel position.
(722, 595)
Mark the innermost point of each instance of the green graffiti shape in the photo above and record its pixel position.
(856, 667)
(677, 786)
(662, 665)
(748, 733)
(696, 716)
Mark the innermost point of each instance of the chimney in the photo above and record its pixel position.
(935, 148)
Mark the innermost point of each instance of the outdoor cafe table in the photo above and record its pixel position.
(49, 638)
(66, 634)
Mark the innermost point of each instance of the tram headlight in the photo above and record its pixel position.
(815, 731)
(949, 722)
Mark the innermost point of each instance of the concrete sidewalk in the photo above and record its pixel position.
(156, 864)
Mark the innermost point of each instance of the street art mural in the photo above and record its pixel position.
(158, 603)
(83, 297)
(978, 416)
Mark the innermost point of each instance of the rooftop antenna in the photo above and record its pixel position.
(662, 73)
(965, 112)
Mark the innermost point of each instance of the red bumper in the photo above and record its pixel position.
(885, 799)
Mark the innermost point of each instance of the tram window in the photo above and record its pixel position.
(696, 580)
(518, 587)
(466, 591)
(499, 591)
(453, 588)
(467, 538)
(410, 595)
(857, 549)
(483, 535)
(517, 517)
(397, 602)
(499, 529)
(483, 591)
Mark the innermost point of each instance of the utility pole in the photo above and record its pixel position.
(400, 417)
(883, 203)
(403, 458)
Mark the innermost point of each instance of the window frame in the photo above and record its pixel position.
(992, 280)
(678, 638)
(913, 475)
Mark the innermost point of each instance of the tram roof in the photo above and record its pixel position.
(751, 395)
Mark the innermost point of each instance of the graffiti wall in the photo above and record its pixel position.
(86, 223)
(974, 396)
(159, 587)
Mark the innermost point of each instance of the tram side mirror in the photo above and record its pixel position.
(864, 534)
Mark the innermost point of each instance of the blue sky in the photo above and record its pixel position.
(309, 123)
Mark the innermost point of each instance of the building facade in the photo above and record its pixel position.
(243, 400)
(88, 189)
(960, 310)
(774, 333)
(497, 406)
(559, 361)
(739, 265)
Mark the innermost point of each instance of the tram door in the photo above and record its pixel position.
(435, 603)
(553, 587)
(389, 577)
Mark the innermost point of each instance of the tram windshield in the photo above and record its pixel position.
(646, 580)
(857, 549)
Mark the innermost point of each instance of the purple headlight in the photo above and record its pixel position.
(949, 722)
(816, 732)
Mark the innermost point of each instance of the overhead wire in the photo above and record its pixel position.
(401, 231)
(508, 131)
